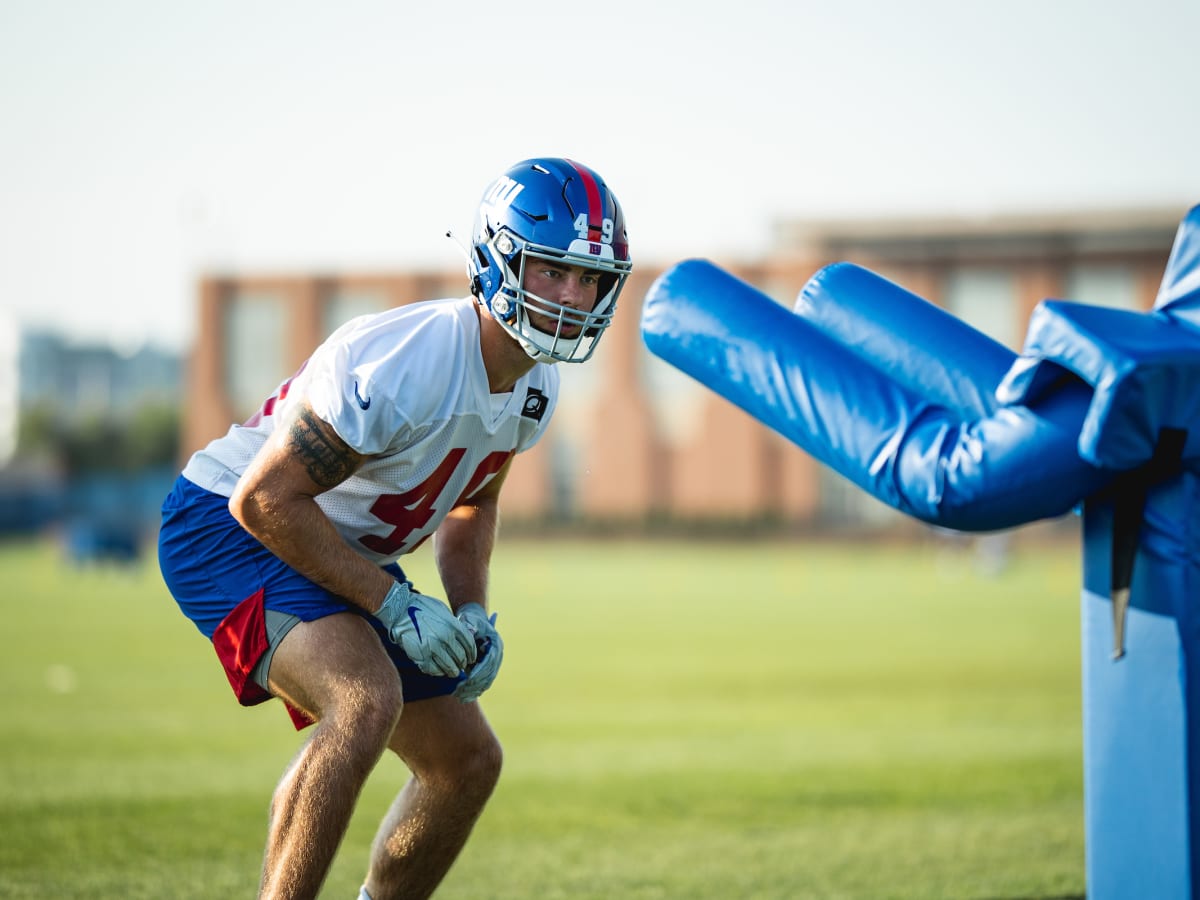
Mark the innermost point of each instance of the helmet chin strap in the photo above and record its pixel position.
(537, 354)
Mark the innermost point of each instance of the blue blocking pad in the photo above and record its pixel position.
(883, 387)
(1145, 368)
(869, 315)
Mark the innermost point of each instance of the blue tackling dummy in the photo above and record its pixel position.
(1100, 411)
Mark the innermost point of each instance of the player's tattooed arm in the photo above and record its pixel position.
(325, 456)
(275, 500)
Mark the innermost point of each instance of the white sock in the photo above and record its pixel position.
(362, 893)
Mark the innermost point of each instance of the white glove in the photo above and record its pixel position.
(491, 652)
(427, 631)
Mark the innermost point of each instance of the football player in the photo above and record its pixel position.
(280, 540)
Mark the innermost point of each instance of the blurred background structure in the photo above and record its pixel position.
(89, 441)
(94, 436)
(191, 198)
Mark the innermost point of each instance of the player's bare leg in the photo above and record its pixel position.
(335, 670)
(455, 760)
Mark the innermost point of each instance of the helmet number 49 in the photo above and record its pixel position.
(606, 229)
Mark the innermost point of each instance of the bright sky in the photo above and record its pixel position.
(142, 141)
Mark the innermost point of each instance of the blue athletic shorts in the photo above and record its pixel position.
(224, 580)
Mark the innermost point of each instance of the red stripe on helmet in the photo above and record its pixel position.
(595, 206)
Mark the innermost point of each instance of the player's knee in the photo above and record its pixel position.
(471, 769)
(370, 709)
(490, 758)
(477, 769)
(382, 706)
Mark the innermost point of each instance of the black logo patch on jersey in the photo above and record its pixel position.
(535, 405)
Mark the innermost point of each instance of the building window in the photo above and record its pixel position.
(677, 401)
(579, 394)
(344, 305)
(986, 299)
(1102, 284)
(255, 331)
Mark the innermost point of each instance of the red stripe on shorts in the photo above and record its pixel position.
(240, 641)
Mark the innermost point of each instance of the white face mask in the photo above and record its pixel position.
(565, 334)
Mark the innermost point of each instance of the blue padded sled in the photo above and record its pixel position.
(1101, 409)
(1140, 604)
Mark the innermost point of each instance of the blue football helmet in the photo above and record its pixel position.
(557, 210)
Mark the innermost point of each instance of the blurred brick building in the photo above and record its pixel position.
(634, 441)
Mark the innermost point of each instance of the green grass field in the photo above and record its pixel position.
(707, 720)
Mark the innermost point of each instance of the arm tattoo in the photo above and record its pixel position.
(326, 456)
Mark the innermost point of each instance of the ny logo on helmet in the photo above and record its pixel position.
(503, 192)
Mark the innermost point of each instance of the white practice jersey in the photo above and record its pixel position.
(408, 389)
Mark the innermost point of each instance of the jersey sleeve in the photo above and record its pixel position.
(379, 389)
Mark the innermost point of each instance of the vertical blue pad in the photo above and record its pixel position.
(1179, 293)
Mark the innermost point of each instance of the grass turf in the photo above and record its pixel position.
(706, 720)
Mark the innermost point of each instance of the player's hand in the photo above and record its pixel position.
(427, 631)
(491, 652)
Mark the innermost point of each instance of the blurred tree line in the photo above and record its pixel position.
(83, 445)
